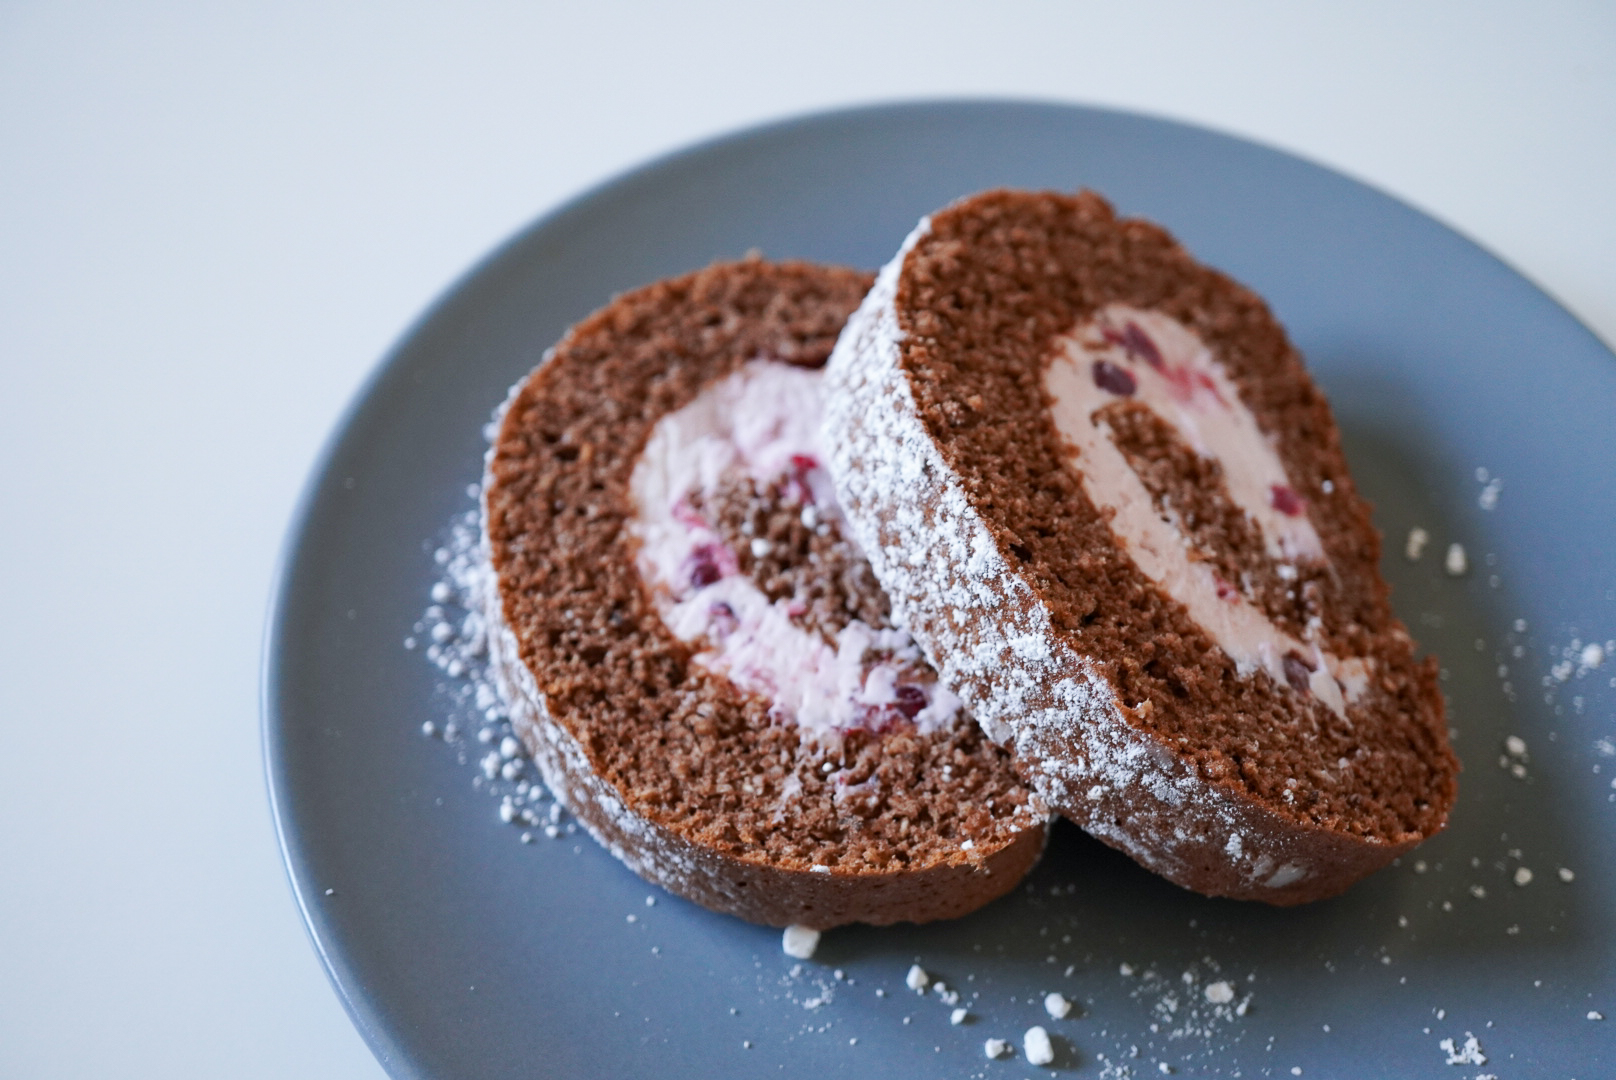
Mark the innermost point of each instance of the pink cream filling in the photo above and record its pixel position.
(764, 421)
(1148, 357)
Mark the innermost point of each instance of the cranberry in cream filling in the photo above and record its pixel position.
(763, 421)
(1152, 359)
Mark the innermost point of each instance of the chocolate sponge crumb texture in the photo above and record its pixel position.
(1102, 492)
(695, 650)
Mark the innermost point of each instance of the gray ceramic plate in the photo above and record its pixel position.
(461, 952)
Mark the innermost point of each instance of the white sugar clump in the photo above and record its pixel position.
(958, 1016)
(1468, 1054)
(799, 942)
(1523, 876)
(1595, 1014)
(1056, 1005)
(1415, 547)
(1220, 992)
(1037, 1046)
(1456, 564)
(917, 979)
(1566, 875)
(995, 1048)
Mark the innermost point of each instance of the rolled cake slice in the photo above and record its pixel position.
(1102, 492)
(692, 648)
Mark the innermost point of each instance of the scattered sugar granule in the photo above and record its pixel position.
(1164, 1068)
(1456, 564)
(650, 901)
(995, 1048)
(1056, 1005)
(1488, 499)
(917, 979)
(1595, 1014)
(1125, 969)
(957, 1017)
(1468, 1054)
(799, 942)
(1592, 655)
(1566, 875)
(1220, 993)
(1037, 1046)
(1479, 891)
(1296, 1070)
(429, 729)
(1516, 746)
(1415, 547)
(1523, 876)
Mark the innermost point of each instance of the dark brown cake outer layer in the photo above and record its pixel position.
(1118, 708)
(683, 777)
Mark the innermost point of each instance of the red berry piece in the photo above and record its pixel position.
(1139, 344)
(1113, 379)
(1284, 499)
(1298, 672)
(704, 568)
(796, 488)
(910, 700)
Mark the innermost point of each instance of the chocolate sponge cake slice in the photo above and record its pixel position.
(1102, 492)
(691, 645)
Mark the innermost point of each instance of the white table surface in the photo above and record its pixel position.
(212, 224)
